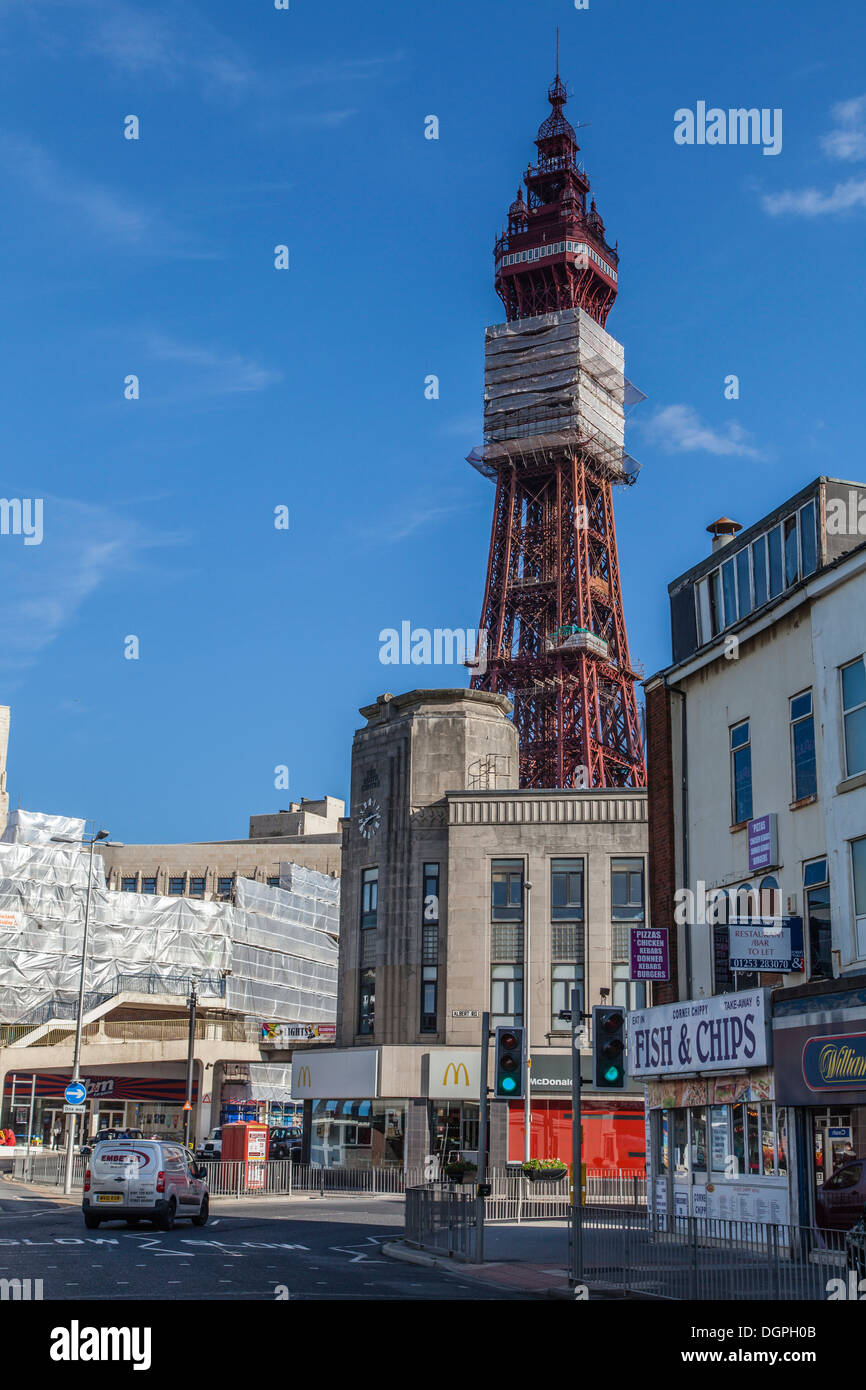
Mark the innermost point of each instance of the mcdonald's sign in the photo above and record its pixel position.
(453, 1073)
(303, 1078)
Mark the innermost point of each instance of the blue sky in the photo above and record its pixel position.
(306, 387)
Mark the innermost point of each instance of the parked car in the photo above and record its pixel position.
(840, 1200)
(212, 1146)
(284, 1143)
(144, 1179)
(103, 1135)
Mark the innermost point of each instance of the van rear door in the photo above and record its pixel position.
(123, 1173)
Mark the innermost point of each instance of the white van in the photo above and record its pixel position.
(144, 1179)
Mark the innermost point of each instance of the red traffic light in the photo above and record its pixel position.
(611, 1023)
(509, 1040)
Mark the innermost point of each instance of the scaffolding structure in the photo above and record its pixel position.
(274, 950)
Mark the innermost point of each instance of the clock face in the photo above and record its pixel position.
(369, 818)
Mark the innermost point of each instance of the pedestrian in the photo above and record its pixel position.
(847, 1153)
(56, 1137)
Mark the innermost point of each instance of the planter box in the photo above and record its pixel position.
(461, 1177)
(545, 1174)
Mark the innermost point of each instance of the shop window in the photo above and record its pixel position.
(566, 890)
(768, 1140)
(858, 869)
(782, 1139)
(663, 1152)
(720, 1139)
(854, 716)
(564, 979)
(506, 890)
(739, 1140)
(680, 1135)
(698, 1126)
(741, 773)
(803, 767)
(816, 893)
(753, 1139)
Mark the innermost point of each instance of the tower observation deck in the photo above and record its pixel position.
(554, 428)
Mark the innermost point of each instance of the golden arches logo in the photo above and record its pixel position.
(457, 1068)
(304, 1076)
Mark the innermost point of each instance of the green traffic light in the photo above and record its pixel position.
(508, 1083)
(612, 1074)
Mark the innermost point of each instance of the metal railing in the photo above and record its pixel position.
(156, 1030)
(47, 1169)
(705, 1259)
(208, 986)
(282, 1177)
(443, 1220)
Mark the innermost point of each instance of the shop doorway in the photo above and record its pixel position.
(108, 1119)
(831, 1136)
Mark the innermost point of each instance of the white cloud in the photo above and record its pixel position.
(218, 371)
(812, 202)
(84, 545)
(679, 429)
(847, 140)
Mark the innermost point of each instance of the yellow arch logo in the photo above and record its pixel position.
(456, 1068)
(304, 1076)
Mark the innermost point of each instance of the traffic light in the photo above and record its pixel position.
(510, 1064)
(608, 1047)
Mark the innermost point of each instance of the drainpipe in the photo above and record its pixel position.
(684, 811)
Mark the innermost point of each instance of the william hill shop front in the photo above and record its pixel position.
(718, 1136)
(819, 1041)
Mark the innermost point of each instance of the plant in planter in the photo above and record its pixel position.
(545, 1169)
(460, 1170)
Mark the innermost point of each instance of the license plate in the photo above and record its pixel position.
(109, 1197)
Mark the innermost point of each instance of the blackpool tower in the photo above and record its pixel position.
(554, 427)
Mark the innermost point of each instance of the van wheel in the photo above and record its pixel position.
(91, 1222)
(166, 1222)
(201, 1219)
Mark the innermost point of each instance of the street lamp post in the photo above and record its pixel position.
(190, 1061)
(76, 1060)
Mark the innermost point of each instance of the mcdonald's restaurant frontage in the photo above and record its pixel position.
(414, 1107)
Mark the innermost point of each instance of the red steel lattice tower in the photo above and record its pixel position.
(555, 393)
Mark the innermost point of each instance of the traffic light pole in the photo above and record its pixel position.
(483, 1111)
(576, 1144)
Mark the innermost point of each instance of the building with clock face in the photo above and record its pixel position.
(439, 845)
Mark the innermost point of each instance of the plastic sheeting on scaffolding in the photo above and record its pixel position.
(276, 948)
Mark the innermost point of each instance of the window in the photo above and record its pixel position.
(430, 949)
(626, 890)
(792, 558)
(175, 887)
(148, 885)
(564, 979)
(369, 898)
(566, 890)
(720, 1140)
(274, 882)
(854, 716)
(808, 539)
(816, 893)
(702, 605)
(729, 588)
(628, 994)
(741, 773)
(196, 887)
(774, 542)
(366, 1000)
(723, 980)
(224, 887)
(506, 890)
(805, 778)
(858, 866)
(129, 885)
(759, 566)
(698, 1128)
(716, 622)
(744, 584)
(506, 995)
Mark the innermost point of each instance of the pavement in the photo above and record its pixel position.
(251, 1249)
(529, 1260)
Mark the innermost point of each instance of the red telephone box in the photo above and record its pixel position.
(247, 1142)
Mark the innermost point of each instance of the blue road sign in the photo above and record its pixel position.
(75, 1093)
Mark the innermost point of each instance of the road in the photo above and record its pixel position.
(320, 1249)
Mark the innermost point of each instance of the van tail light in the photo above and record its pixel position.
(160, 1182)
(87, 1180)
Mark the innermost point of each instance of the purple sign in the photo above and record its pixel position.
(650, 959)
(763, 851)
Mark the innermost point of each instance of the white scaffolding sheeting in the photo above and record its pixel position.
(276, 947)
(554, 373)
